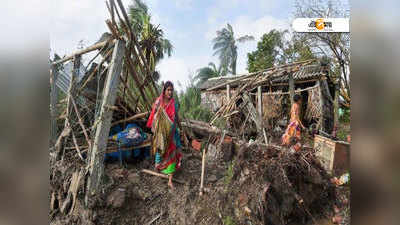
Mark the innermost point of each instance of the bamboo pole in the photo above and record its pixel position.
(80, 52)
(161, 175)
(203, 163)
(81, 123)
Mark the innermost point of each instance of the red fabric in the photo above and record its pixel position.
(169, 109)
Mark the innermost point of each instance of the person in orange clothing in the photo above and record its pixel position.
(293, 131)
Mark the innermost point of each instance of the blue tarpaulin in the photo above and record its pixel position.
(131, 136)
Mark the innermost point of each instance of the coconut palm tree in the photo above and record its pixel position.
(226, 49)
(151, 38)
(208, 72)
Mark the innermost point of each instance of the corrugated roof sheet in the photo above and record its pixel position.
(305, 73)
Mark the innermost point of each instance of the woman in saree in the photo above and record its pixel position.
(293, 130)
(163, 122)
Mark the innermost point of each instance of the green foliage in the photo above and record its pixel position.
(229, 173)
(228, 221)
(190, 105)
(226, 49)
(274, 48)
(208, 72)
(267, 51)
(345, 116)
(151, 38)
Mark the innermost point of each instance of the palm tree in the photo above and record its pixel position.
(151, 38)
(208, 72)
(225, 47)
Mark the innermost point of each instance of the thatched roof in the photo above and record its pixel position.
(301, 71)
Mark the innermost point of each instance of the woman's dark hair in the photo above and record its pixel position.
(166, 85)
(296, 98)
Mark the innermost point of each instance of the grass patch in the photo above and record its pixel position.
(229, 173)
(228, 221)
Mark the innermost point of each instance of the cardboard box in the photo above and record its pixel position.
(334, 155)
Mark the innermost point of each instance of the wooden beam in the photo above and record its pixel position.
(203, 165)
(80, 52)
(259, 101)
(96, 166)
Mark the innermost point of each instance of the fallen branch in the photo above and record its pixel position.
(161, 175)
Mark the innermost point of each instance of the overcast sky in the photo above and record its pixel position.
(189, 24)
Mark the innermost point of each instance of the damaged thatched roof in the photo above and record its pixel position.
(301, 71)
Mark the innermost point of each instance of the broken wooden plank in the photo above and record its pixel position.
(96, 166)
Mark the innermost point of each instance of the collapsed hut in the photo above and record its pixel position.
(269, 93)
(89, 99)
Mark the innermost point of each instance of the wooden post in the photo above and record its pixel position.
(291, 88)
(228, 98)
(336, 106)
(260, 112)
(259, 98)
(53, 104)
(228, 93)
(203, 163)
(96, 166)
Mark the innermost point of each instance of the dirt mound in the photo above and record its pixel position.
(259, 186)
(284, 188)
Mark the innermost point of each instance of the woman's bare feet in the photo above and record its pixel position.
(170, 182)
